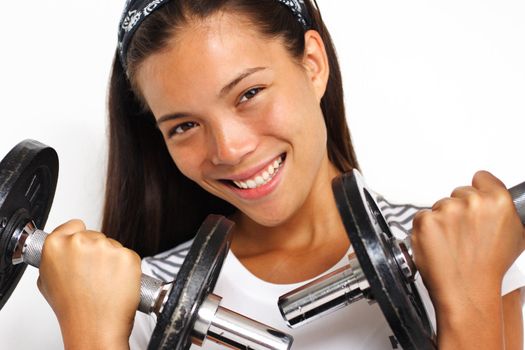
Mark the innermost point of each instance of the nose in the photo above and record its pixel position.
(231, 140)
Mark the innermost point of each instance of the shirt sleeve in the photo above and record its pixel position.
(142, 330)
(515, 276)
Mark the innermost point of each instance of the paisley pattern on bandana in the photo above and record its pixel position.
(298, 8)
(135, 11)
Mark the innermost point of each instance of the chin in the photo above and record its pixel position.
(269, 220)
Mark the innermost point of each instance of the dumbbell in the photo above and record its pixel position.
(187, 312)
(380, 269)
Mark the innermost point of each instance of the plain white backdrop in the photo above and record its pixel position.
(434, 90)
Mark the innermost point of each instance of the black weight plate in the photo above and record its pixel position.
(195, 280)
(28, 177)
(370, 236)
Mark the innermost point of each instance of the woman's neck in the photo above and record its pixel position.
(301, 247)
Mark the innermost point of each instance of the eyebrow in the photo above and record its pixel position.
(226, 89)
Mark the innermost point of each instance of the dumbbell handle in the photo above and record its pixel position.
(518, 197)
(153, 292)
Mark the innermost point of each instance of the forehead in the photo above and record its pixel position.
(205, 54)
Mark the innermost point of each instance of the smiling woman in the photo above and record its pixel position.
(236, 107)
(207, 95)
(260, 107)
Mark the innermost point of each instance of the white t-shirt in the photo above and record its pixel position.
(360, 326)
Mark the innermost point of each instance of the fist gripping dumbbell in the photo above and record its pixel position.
(380, 270)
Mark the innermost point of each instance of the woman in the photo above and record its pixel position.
(236, 107)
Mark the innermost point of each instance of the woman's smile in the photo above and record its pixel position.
(260, 183)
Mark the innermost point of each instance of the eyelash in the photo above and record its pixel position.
(253, 92)
(183, 128)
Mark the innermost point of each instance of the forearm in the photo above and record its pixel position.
(472, 324)
(88, 338)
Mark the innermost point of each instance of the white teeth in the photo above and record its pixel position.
(261, 178)
(240, 184)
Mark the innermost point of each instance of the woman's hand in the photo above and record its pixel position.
(92, 284)
(462, 248)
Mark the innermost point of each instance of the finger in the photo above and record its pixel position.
(422, 223)
(93, 235)
(115, 243)
(486, 182)
(463, 192)
(70, 227)
(443, 202)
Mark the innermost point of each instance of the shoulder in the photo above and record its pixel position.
(166, 265)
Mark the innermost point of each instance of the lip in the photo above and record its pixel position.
(261, 191)
(248, 174)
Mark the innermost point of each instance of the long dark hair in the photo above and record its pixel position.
(149, 205)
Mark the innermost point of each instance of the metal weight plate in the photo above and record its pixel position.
(370, 236)
(28, 177)
(195, 280)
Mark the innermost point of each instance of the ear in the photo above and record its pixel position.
(315, 62)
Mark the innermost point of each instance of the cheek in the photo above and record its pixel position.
(299, 118)
(284, 114)
(187, 162)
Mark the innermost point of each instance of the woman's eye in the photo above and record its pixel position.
(182, 128)
(250, 94)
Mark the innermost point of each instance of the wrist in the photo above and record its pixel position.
(98, 342)
(82, 337)
(462, 323)
(461, 298)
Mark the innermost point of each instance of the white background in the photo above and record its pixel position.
(439, 85)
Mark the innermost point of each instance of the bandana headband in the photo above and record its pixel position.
(136, 11)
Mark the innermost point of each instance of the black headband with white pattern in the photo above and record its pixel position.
(135, 11)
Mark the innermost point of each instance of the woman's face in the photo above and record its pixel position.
(240, 116)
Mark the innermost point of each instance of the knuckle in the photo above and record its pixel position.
(84, 239)
(480, 175)
(424, 221)
(77, 225)
(69, 227)
(473, 201)
(450, 207)
(77, 239)
(131, 255)
(457, 192)
(130, 260)
(440, 203)
(52, 242)
(502, 200)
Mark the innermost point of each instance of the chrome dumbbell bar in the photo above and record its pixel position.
(349, 284)
(214, 322)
